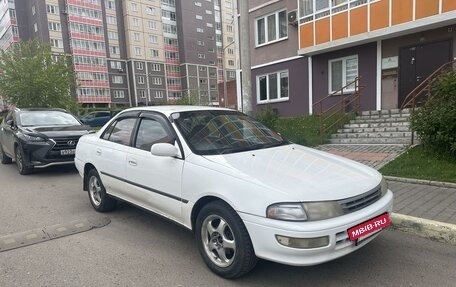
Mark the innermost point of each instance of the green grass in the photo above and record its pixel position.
(420, 163)
(304, 130)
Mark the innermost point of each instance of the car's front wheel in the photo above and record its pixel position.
(223, 241)
(99, 199)
(4, 159)
(21, 163)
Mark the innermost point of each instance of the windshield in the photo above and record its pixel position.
(220, 131)
(47, 118)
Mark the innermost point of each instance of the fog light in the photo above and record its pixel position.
(303, 243)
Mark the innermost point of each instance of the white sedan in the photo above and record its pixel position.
(244, 191)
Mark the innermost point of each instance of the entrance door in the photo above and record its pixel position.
(419, 62)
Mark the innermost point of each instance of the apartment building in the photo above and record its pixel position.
(126, 52)
(305, 50)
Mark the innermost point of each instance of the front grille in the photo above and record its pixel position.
(65, 143)
(353, 204)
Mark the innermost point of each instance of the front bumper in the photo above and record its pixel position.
(43, 154)
(262, 232)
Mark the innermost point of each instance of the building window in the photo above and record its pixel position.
(111, 20)
(54, 26)
(117, 79)
(200, 43)
(110, 4)
(199, 17)
(113, 35)
(156, 67)
(159, 94)
(202, 69)
(142, 94)
(35, 27)
(116, 65)
(138, 51)
(152, 25)
(134, 7)
(229, 28)
(150, 10)
(141, 80)
(203, 81)
(153, 39)
(199, 30)
(208, 12)
(201, 56)
(230, 51)
(342, 72)
(119, 94)
(231, 63)
(210, 25)
(156, 81)
(154, 53)
(140, 65)
(271, 28)
(136, 22)
(115, 50)
(198, 4)
(33, 10)
(52, 9)
(272, 87)
(137, 37)
(57, 43)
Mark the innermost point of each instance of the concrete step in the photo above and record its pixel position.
(379, 120)
(372, 135)
(386, 112)
(377, 125)
(374, 130)
(407, 116)
(404, 141)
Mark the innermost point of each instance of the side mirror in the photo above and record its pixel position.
(164, 149)
(10, 123)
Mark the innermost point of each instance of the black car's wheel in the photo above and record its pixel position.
(3, 157)
(20, 162)
(99, 199)
(223, 241)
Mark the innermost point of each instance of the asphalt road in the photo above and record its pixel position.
(140, 249)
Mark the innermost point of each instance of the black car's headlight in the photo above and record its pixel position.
(32, 138)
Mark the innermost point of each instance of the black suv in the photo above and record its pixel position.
(38, 138)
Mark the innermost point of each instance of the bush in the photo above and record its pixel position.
(435, 122)
(267, 117)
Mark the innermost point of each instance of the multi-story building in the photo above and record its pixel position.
(129, 52)
(304, 50)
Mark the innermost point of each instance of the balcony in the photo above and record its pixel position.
(327, 24)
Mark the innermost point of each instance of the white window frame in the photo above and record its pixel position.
(265, 18)
(344, 73)
(279, 98)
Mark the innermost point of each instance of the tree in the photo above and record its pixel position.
(193, 98)
(31, 77)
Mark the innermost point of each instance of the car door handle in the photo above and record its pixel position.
(98, 152)
(132, 162)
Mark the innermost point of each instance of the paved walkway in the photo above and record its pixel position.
(420, 200)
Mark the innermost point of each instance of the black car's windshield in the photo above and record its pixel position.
(46, 118)
(209, 132)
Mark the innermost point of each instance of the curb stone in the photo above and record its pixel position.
(421, 181)
(430, 229)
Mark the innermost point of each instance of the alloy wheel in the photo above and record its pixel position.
(95, 190)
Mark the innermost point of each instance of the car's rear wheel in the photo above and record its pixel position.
(99, 199)
(4, 159)
(223, 241)
(20, 162)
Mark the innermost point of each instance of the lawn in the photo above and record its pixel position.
(419, 163)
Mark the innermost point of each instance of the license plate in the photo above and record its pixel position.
(368, 227)
(67, 151)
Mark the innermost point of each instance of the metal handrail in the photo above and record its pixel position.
(349, 102)
(424, 86)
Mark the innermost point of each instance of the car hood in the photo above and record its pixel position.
(299, 173)
(57, 131)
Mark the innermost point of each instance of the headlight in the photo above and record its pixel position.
(32, 138)
(308, 211)
(287, 211)
(384, 186)
(322, 210)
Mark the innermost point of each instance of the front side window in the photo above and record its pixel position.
(271, 28)
(152, 131)
(342, 72)
(219, 132)
(272, 87)
(120, 131)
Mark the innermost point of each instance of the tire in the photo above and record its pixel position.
(4, 159)
(223, 241)
(20, 162)
(98, 197)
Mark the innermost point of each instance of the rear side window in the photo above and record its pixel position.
(120, 131)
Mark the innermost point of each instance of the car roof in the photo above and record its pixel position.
(41, 110)
(168, 110)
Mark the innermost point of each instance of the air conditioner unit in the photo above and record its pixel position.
(293, 18)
